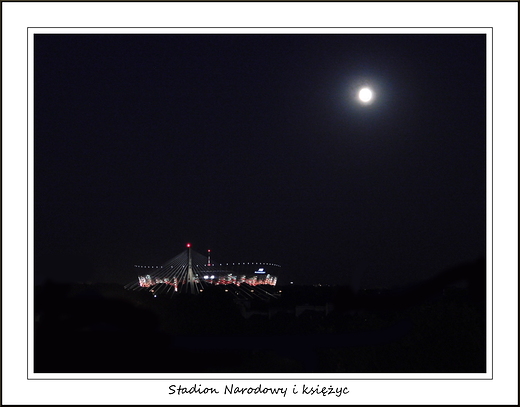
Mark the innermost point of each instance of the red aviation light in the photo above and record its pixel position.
(188, 245)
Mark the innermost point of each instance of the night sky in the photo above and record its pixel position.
(256, 147)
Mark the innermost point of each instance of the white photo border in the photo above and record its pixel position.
(26, 19)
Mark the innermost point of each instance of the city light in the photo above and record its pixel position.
(181, 275)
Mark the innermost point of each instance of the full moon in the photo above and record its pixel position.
(365, 95)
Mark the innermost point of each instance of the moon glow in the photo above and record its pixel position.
(365, 95)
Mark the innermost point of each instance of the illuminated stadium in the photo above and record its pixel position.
(191, 272)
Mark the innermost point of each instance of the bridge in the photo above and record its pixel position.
(191, 272)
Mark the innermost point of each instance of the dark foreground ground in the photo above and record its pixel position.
(438, 326)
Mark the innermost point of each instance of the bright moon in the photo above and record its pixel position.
(365, 95)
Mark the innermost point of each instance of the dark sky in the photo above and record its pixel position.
(256, 147)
